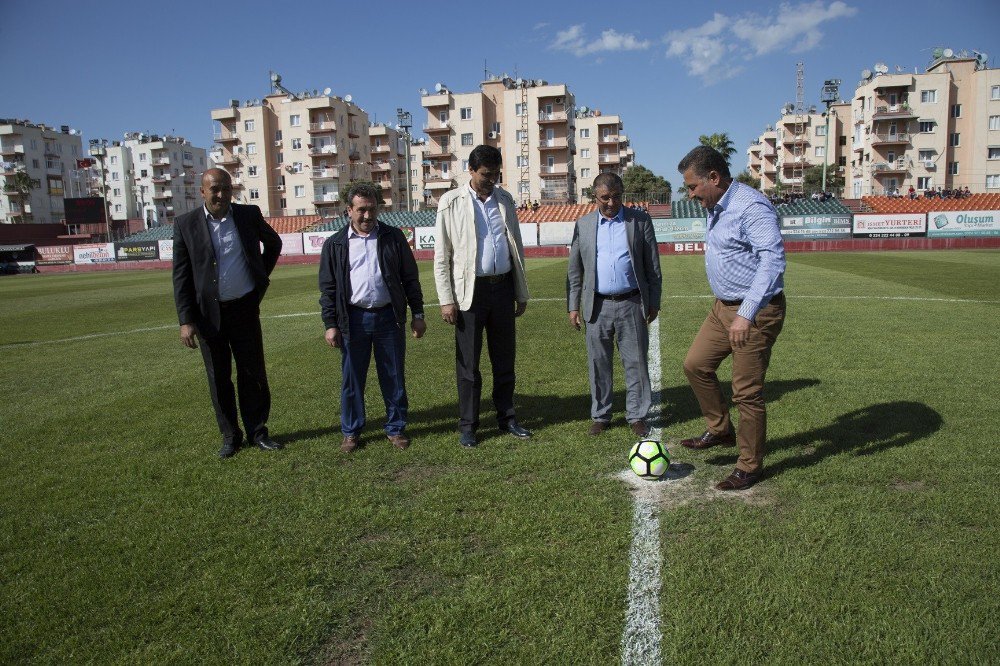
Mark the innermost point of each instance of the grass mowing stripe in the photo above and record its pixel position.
(642, 635)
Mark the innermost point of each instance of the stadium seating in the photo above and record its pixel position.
(810, 207)
(289, 224)
(555, 213)
(687, 208)
(153, 233)
(889, 205)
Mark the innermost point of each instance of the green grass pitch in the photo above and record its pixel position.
(873, 538)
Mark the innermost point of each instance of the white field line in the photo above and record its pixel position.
(642, 636)
(92, 336)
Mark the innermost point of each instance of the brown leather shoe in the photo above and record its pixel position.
(400, 441)
(708, 440)
(739, 480)
(597, 427)
(639, 428)
(350, 443)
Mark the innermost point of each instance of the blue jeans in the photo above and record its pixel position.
(380, 330)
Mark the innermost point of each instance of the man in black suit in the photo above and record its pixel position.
(220, 276)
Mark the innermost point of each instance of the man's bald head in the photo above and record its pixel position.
(217, 188)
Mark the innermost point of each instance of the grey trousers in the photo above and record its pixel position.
(620, 321)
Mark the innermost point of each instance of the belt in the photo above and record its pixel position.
(376, 309)
(493, 279)
(777, 298)
(619, 297)
(238, 301)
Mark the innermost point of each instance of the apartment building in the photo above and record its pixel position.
(601, 146)
(799, 141)
(293, 154)
(530, 121)
(420, 196)
(48, 158)
(940, 128)
(388, 164)
(153, 177)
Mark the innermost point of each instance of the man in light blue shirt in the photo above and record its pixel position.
(745, 264)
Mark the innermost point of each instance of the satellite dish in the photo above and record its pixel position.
(948, 53)
(584, 109)
(898, 69)
(256, 102)
(519, 82)
(937, 53)
(539, 82)
(348, 99)
(327, 91)
(439, 87)
(423, 92)
(881, 68)
(866, 74)
(275, 77)
(983, 58)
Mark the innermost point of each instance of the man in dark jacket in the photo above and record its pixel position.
(367, 276)
(220, 276)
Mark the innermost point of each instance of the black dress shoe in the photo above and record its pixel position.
(268, 444)
(707, 440)
(739, 480)
(229, 449)
(468, 440)
(513, 428)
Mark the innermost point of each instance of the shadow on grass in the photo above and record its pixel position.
(539, 411)
(863, 432)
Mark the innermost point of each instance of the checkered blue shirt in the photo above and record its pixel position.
(744, 256)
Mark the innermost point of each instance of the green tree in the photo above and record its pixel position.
(749, 179)
(641, 184)
(812, 179)
(20, 185)
(721, 142)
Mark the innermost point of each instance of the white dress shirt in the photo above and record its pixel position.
(235, 280)
(368, 288)
(492, 249)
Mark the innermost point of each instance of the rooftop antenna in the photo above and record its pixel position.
(327, 91)
(948, 53)
(277, 87)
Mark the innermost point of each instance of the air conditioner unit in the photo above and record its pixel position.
(277, 143)
(281, 188)
(928, 164)
(492, 135)
(559, 100)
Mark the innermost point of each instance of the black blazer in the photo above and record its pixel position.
(196, 275)
(395, 260)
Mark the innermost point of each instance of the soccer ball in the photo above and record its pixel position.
(648, 459)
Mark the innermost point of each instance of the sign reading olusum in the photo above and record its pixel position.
(942, 224)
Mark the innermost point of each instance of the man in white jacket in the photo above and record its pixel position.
(479, 275)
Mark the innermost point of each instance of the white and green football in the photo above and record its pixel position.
(649, 459)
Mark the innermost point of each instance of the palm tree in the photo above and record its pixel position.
(721, 142)
(19, 186)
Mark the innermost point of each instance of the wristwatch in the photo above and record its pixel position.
(418, 315)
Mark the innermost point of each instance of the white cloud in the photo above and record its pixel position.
(576, 41)
(795, 27)
(539, 26)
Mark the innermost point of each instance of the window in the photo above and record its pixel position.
(413, 173)
(956, 110)
(143, 174)
(295, 120)
(277, 135)
(522, 161)
(251, 149)
(928, 96)
(114, 159)
(993, 181)
(296, 144)
(467, 139)
(142, 157)
(820, 151)
(466, 112)
(925, 183)
(34, 164)
(927, 126)
(495, 127)
(252, 170)
(188, 157)
(953, 168)
(445, 168)
(954, 139)
(114, 175)
(520, 109)
(821, 130)
(994, 123)
(118, 208)
(296, 167)
(254, 194)
(925, 155)
(300, 191)
(281, 157)
(465, 165)
(584, 173)
(248, 125)
(995, 92)
(283, 203)
(993, 154)
(584, 132)
(584, 153)
(522, 136)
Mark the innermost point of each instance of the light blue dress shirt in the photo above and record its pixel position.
(235, 280)
(615, 274)
(368, 288)
(744, 255)
(492, 248)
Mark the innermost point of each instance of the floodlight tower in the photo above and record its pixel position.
(831, 93)
(404, 121)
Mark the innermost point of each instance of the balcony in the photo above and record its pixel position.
(438, 181)
(188, 161)
(325, 198)
(899, 166)
(437, 128)
(354, 155)
(802, 139)
(163, 178)
(327, 173)
(228, 113)
(11, 149)
(53, 166)
(895, 111)
(555, 170)
(163, 194)
(237, 183)
(379, 167)
(767, 150)
(434, 100)
(899, 137)
(380, 149)
(225, 137)
(439, 154)
(161, 161)
(323, 151)
(610, 138)
(553, 144)
(322, 126)
(608, 159)
(554, 196)
(10, 168)
(352, 132)
(554, 117)
(227, 160)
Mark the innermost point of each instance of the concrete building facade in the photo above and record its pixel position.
(47, 156)
(601, 146)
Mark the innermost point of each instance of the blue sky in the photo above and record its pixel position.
(672, 72)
